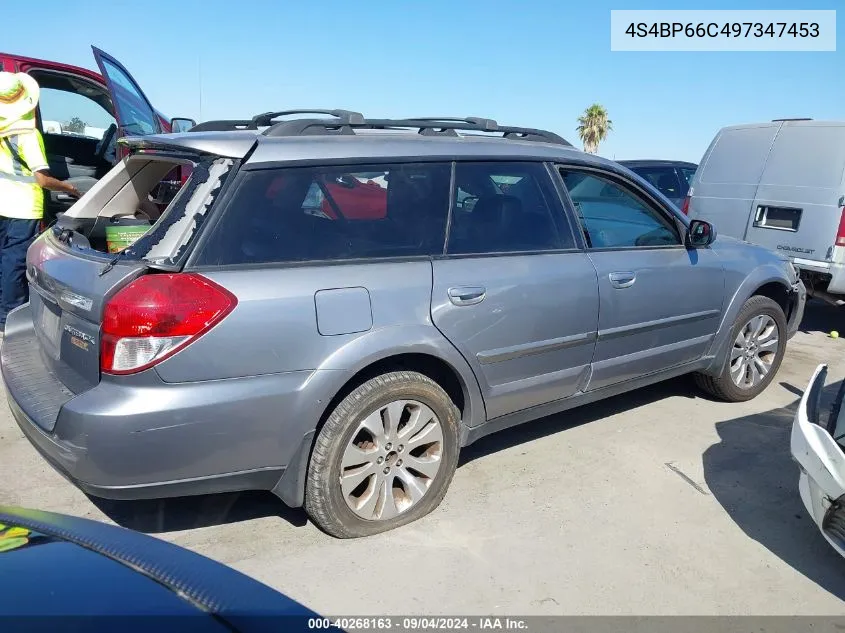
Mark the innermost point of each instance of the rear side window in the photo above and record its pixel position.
(333, 213)
(504, 208)
(664, 179)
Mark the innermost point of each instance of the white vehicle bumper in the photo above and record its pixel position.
(822, 462)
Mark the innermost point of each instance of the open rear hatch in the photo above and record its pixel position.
(818, 445)
(71, 273)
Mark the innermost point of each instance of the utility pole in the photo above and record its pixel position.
(199, 75)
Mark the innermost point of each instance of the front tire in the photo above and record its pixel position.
(758, 344)
(384, 457)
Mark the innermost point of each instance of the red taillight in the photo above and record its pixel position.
(157, 315)
(685, 206)
(840, 234)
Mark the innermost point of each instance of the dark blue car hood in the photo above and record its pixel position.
(62, 573)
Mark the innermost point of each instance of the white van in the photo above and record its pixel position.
(781, 185)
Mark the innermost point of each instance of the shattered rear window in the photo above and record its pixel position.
(172, 235)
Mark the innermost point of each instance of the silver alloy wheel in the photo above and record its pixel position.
(391, 460)
(754, 351)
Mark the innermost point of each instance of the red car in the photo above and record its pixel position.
(82, 114)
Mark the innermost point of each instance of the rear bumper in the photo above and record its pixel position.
(135, 437)
(837, 279)
(833, 271)
(68, 460)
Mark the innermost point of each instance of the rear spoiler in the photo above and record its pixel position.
(191, 145)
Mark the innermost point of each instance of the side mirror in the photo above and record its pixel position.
(181, 125)
(700, 234)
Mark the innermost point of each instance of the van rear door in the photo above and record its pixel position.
(725, 183)
(796, 210)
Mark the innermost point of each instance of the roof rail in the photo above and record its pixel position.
(426, 126)
(345, 122)
(795, 119)
(342, 116)
(223, 125)
(266, 119)
(487, 124)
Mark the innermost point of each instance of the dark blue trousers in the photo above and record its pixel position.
(15, 238)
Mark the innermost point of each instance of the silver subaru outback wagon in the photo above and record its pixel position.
(331, 307)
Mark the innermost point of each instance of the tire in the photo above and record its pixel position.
(383, 501)
(723, 386)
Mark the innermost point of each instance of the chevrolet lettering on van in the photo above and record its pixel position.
(796, 249)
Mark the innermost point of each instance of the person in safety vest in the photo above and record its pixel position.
(23, 174)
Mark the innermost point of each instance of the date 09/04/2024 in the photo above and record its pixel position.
(417, 623)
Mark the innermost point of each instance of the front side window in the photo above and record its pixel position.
(333, 213)
(505, 208)
(612, 216)
(136, 116)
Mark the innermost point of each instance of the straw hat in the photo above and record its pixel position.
(18, 97)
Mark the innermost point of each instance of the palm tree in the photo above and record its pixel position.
(593, 127)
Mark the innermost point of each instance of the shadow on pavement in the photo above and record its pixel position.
(751, 474)
(185, 513)
(822, 317)
(514, 436)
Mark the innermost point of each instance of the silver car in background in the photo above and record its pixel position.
(331, 307)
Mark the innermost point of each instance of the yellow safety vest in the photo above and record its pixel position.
(21, 155)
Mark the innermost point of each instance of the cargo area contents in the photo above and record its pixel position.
(133, 211)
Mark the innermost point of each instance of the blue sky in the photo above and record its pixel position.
(536, 63)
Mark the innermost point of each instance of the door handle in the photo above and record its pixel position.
(622, 279)
(467, 295)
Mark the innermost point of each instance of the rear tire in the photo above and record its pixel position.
(384, 457)
(758, 343)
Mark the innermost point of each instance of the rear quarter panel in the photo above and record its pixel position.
(281, 312)
(276, 331)
(274, 327)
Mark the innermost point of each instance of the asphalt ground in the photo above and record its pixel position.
(660, 501)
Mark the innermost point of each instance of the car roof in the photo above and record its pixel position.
(645, 162)
(344, 135)
(405, 145)
(261, 149)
